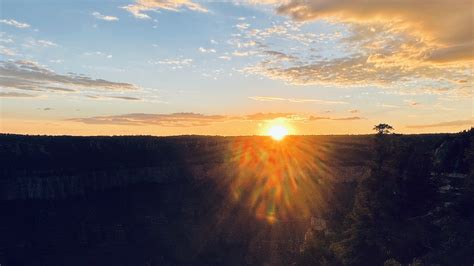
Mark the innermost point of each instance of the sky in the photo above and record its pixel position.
(173, 67)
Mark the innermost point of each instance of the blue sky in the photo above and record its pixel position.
(208, 67)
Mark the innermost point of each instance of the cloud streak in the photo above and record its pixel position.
(293, 100)
(14, 23)
(28, 75)
(127, 98)
(456, 123)
(6, 94)
(98, 15)
(195, 119)
(139, 8)
(315, 118)
(165, 120)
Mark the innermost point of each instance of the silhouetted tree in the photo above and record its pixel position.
(383, 128)
(386, 221)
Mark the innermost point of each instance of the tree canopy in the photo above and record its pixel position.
(383, 128)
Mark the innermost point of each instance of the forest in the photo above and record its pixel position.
(381, 199)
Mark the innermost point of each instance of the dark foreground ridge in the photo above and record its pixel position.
(309, 200)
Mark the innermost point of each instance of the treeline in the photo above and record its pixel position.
(65, 154)
(76, 154)
(415, 208)
(414, 205)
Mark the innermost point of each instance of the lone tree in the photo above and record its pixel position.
(383, 129)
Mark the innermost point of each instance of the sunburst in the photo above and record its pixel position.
(277, 132)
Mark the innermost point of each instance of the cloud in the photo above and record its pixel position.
(293, 100)
(166, 120)
(456, 123)
(98, 15)
(39, 43)
(98, 53)
(225, 57)
(315, 118)
(412, 103)
(6, 94)
(383, 105)
(14, 23)
(28, 75)
(206, 51)
(348, 118)
(452, 53)
(177, 63)
(242, 26)
(443, 23)
(195, 119)
(241, 54)
(364, 70)
(50, 88)
(56, 61)
(7, 51)
(127, 98)
(271, 116)
(280, 56)
(266, 98)
(141, 6)
(9, 40)
(375, 43)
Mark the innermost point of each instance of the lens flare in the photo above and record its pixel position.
(276, 181)
(277, 132)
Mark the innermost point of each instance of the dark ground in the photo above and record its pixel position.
(170, 200)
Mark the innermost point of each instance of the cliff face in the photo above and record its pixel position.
(49, 168)
(165, 201)
(45, 185)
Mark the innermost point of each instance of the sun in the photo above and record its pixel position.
(277, 132)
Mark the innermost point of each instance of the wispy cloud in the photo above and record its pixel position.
(98, 15)
(98, 53)
(347, 118)
(28, 75)
(6, 94)
(315, 118)
(195, 119)
(166, 120)
(413, 103)
(456, 123)
(56, 61)
(7, 51)
(225, 57)
(359, 70)
(14, 23)
(383, 44)
(175, 63)
(206, 51)
(271, 116)
(294, 100)
(102, 97)
(280, 56)
(140, 6)
(39, 43)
